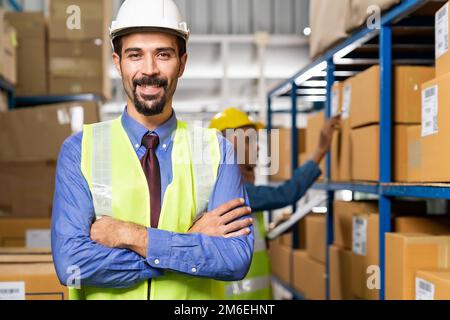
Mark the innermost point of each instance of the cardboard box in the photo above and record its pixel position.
(433, 284)
(343, 219)
(365, 256)
(435, 130)
(313, 129)
(441, 41)
(340, 273)
(316, 237)
(3, 101)
(359, 11)
(365, 95)
(401, 153)
(308, 276)
(13, 230)
(284, 150)
(94, 19)
(340, 146)
(281, 261)
(408, 253)
(50, 126)
(365, 153)
(429, 225)
(31, 52)
(28, 188)
(414, 163)
(32, 276)
(327, 19)
(8, 54)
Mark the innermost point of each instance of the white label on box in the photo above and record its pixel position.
(430, 111)
(12, 290)
(334, 103)
(359, 236)
(424, 290)
(441, 30)
(38, 239)
(77, 119)
(346, 101)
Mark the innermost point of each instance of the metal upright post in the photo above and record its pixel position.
(294, 150)
(330, 194)
(269, 128)
(385, 143)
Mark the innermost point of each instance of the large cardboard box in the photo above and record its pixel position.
(79, 19)
(365, 256)
(358, 14)
(441, 41)
(308, 276)
(327, 19)
(29, 276)
(429, 225)
(313, 129)
(284, 150)
(49, 125)
(365, 95)
(408, 253)
(340, 273)
(433, 284)
(343, 219)
(340, 146)
(316, 237)
(29, 188)
(31, 52)
(13, 231)
(365, 153)
(80, 66)
(401, 153)
(8, 53)
(435, 130)
(281, 261)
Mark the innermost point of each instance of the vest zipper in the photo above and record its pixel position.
(149, 288)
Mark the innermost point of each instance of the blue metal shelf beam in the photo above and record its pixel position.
(41, 100)
(15, 5)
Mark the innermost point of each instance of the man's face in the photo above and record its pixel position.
(150, 67)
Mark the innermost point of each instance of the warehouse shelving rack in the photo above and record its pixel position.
(30, 101)
(405, 35)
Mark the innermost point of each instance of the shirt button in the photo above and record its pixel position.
(137, 146)
(156, 261)
(194, 270)
(164, 146)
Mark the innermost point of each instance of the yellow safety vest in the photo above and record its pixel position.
(257, 285)
(119, 189)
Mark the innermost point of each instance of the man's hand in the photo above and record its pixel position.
(221, 221)
(326, 136)
(113, 233)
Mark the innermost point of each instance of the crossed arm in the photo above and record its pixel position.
(130, 253)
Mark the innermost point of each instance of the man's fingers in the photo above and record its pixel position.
(238, 225)
(228, 206)
(235, 214)
(243, 232)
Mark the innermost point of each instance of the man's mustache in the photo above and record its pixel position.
(151, 81)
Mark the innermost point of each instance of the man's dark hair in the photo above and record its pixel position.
(117, 43)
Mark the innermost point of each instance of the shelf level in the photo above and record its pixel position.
(355, 187)
(42, 100)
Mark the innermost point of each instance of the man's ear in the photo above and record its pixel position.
(183, 62)
(116, 60)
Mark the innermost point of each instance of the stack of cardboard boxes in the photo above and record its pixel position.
(79, 48)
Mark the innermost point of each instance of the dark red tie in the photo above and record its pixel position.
(150, 165)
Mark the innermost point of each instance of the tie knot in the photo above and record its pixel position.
(151, 141)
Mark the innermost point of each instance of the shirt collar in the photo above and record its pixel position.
(137, 131)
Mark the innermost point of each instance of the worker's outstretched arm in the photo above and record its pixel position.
(73, 250)
(213, 248)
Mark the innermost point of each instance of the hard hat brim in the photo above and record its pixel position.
(127, 31)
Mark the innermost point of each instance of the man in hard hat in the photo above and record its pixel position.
(235, 124)
(145, 206)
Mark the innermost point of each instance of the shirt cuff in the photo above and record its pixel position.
(159, 249)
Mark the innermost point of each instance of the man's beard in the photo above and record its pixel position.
(157, 103)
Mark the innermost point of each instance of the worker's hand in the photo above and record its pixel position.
(223, 221)
(114, 233)
(326, 136)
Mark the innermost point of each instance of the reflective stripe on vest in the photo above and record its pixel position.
(257, 285)
(118, 184)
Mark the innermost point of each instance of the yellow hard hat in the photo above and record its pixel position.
(233, 118)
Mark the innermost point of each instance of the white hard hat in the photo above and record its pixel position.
(159, 15)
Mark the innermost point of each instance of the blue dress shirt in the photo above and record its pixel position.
(193, 254)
